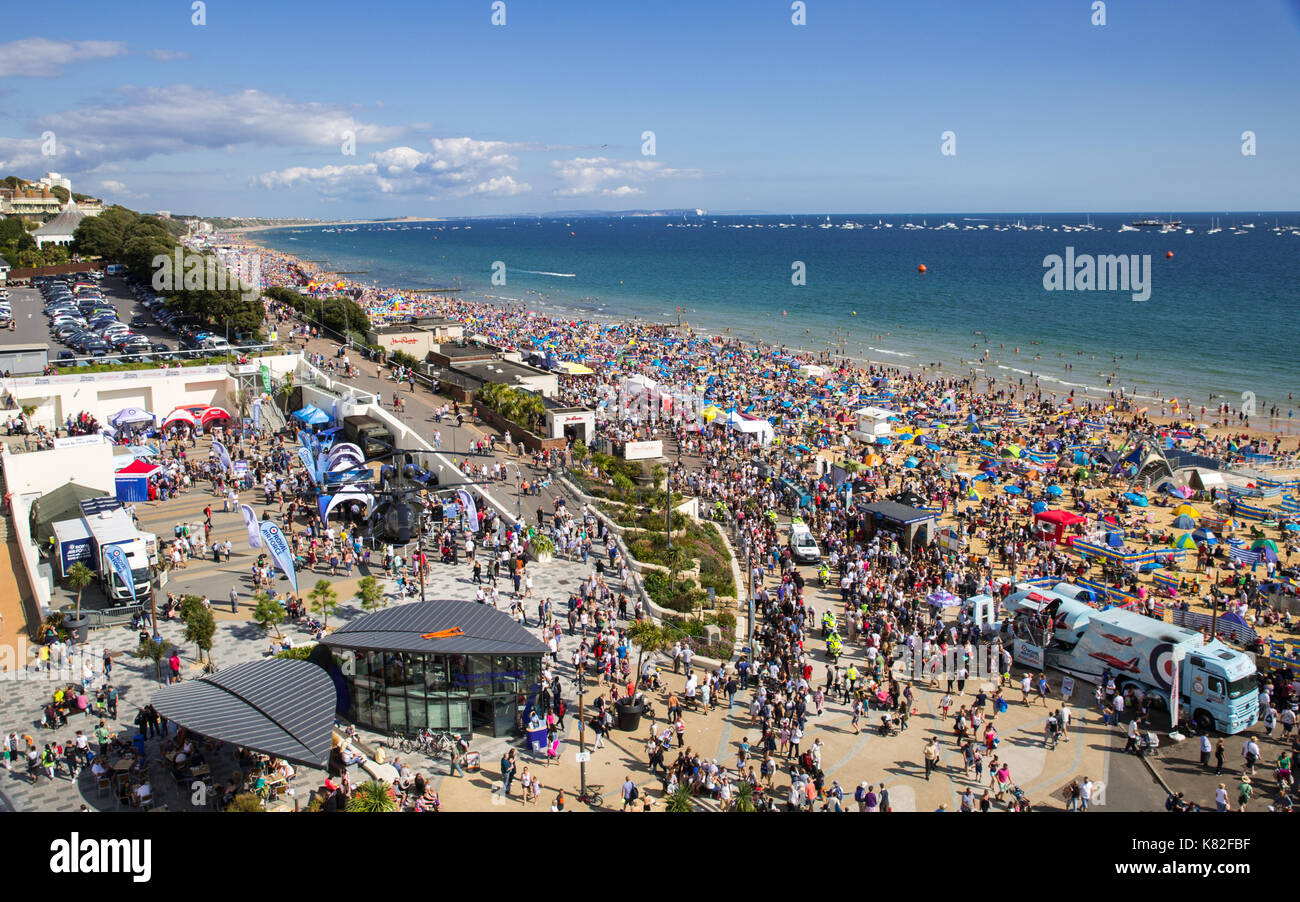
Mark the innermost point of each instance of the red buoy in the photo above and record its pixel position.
(1169, 255)
(921, 268)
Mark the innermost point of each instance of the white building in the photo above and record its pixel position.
(61, 228)
(52, 179)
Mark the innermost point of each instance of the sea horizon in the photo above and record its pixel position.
(864, 297)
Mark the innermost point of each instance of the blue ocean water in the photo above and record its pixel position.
(1221, 317)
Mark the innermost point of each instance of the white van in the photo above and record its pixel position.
(803, 547)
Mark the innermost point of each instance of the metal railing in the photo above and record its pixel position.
(109, 617)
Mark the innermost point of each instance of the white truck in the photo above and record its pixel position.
(114, 527)
(1217, 686)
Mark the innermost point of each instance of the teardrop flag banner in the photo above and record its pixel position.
(223, 455)
(278, 545)
(114, 555)
(471, 512)
(250, 521)
(308, 463)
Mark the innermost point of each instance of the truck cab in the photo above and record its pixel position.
(1220, 688)
(370, 435)
(115, 589)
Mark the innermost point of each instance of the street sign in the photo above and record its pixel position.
(583, 757)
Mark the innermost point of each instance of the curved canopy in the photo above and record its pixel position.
(349, 493)
(214, 413)
(344, 451)
(273, 706)
(180, 415)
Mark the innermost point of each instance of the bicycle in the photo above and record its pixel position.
(592, 796)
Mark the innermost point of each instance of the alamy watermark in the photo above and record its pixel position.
(203, 272)
(1107, 272)
(64, 664)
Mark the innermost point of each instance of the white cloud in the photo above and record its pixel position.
(43, 58)
(459, 167)
(181, 118)
(591, 175)
(168, 56)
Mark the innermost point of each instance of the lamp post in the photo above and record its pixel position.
(582, 731)
(668, 506)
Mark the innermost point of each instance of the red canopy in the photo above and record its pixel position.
(1059, 519)
(139, 468)
(213, 413)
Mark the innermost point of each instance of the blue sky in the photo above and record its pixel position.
(249, 113)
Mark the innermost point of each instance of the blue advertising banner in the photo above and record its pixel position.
(278, 545)
(117, 558)
(308, 464)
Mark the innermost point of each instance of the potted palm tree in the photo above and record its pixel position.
(79, 576)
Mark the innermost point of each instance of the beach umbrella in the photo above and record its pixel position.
(1185, 541)
(985, 443)
(1236, 542)
(1186, 509)
(1182, 521)
(910, 462)
(1292, 527)
(1040, 506)
(1055, 491)
(884, 440)
(872, 460)
(1011, 489)
(1264, 543)
(933, 447)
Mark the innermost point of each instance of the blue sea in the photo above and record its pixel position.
(1221, 318)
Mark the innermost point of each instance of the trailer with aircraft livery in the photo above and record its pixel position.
(1218, 688)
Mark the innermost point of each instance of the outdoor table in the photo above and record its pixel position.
(122, 766)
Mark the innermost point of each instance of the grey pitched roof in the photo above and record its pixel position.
(63, 224)
(274, 706)
(899, 513)
(400, 628)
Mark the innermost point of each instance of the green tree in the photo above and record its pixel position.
(155, 650)
(649, 637)
(80, 576)
(370, 593)
(372, 796)
(189, 604)
(268, 613)
(323, 600)
(200, 628)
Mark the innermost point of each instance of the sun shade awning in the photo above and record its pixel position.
(277, 707)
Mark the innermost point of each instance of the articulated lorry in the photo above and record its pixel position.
(1217, 686)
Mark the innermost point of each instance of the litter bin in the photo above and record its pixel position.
(629, 714)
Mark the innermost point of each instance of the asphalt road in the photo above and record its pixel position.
(34, 328)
